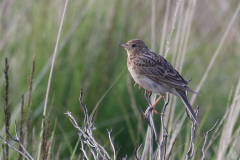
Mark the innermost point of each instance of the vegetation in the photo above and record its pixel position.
(204, 47)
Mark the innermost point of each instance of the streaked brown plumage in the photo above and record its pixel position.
(154, 73)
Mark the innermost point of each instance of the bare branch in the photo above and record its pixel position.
(206, 137)
(191, 149)
(164, 131)
(171, 144)
(216, 133)
(86, 134)
(151, 133)
(151, 125)
(17, 140)
(91, 149)
(136, 152)
(27, 155)
(14, 148)
(148, 97)
(114, 152)
(82, 148)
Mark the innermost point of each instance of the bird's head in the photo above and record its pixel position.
(134, 46)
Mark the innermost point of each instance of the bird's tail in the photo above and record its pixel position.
(184, 98)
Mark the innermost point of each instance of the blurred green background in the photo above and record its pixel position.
(89, 57)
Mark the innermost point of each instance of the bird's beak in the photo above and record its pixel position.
(123, 45)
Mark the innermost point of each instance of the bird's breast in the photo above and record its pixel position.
(147, 83)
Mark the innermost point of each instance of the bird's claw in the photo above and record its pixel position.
(152, 109)
(139, 85)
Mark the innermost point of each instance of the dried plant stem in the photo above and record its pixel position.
(147, 142)
(151, 136)
(206, 138)
(33, 142)
(216, 133)
(190, 14)
(27, 155)
(171, 148)
(167, 47)
(230, 24)
(110, 139)
(191, 149)
(7, 107)
(151, 127)
(164, 131)
(185, 19)
(63, 42)
(43, 135)
(148, 139)
(3, 150)
(164, 30)
(82, 148)
(155, 133)
(136, 152)
(50, 76)
(49, 149)
(29, 112)
(44, 139)
(177, 36)
(21, 127)
(86, 135)
(153, 24)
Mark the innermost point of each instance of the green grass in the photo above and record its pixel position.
(90, 58)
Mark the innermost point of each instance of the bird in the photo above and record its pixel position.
(155, 74)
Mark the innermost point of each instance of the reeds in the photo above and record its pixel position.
(204, 47)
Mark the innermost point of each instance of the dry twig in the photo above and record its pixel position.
(86, 135)
(164, 131)
(136, 152)
(27, 155)
(205, 141)
(162, 145)
(191, 149)
(110, 139)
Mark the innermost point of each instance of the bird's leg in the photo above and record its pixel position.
(152, 107)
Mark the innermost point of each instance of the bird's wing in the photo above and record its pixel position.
(160, 70)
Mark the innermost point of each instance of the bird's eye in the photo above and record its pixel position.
(134, 45)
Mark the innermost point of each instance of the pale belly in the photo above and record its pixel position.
(150, 85)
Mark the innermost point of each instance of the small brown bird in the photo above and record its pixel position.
(154, 73)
